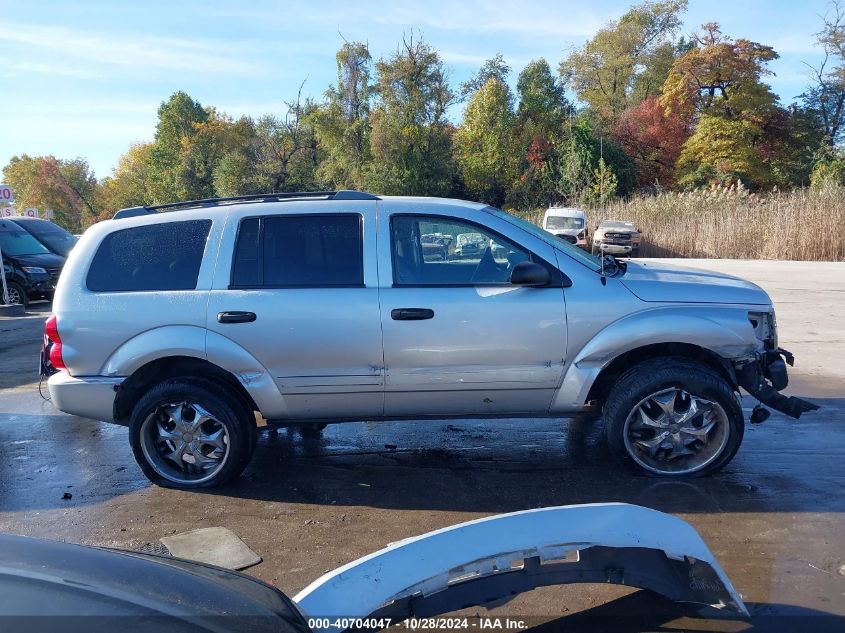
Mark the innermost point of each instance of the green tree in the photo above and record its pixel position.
(604, 185)
(411, 137)
(542, 100)
(342, 123)
(721, 150)
(580, 167)
(484, 143)
(829, 173)
(202, 151)
(127, 186)
(538, 129)
(626, 61)
(282, 155)
(176, 119)
(826, 95)
(494, 68)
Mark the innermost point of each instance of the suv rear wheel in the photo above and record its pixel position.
(673, 417)
(184, 435)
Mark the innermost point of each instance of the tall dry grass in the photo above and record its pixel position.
(731, 222)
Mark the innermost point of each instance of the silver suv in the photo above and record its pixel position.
(327, 307)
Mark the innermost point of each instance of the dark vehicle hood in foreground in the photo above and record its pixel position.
(51, 581)
(651, 281)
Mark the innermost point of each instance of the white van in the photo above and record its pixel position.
(567, 223)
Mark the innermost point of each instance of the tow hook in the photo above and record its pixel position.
(759, 414)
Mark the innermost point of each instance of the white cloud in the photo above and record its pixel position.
(15, 69)
(795, 44)
(463, 58)
(137, 52)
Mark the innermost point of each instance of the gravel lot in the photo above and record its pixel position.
(774, 518)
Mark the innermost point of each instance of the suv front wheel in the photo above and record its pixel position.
(16, 294)
(185, 436)
(673, 417)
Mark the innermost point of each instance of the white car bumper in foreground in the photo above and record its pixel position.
(493, 559)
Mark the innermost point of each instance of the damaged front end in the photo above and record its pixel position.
(491, 560)
(765, 376)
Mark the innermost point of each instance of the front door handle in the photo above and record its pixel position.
(411, 314)
(236, 317)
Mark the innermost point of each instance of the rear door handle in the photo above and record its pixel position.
(236, 317)
(411, 314)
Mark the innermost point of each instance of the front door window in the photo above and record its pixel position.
(432, 251)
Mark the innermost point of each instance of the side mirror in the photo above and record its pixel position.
(531, 274)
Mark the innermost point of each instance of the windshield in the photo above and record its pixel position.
(16, 241)
(580, 255)
(54, 237)
(560, 222)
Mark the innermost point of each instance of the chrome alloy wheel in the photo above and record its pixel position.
(672, 432)
(184, 443)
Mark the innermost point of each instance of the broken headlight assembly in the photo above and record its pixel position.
(765, 328)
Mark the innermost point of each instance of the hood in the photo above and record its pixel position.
(674, 284)
(57, 582)
(44, 260)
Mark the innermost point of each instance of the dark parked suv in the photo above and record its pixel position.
(31, 269)
(54, 237)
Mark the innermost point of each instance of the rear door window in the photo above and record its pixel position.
(165, 256)
(299, 251)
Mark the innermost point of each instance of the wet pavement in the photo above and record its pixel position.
(775, 518)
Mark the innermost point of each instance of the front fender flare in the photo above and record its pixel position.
(490, 560)
(722, 330)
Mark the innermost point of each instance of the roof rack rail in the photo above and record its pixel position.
(343, 194)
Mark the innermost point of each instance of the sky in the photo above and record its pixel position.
(86, 78)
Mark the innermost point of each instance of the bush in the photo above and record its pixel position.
(827, 173)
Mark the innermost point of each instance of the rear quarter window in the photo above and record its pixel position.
(154, 257)
(299, 251)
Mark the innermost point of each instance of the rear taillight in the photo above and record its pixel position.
(53, 344)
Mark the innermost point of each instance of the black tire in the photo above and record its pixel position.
(663, 374)
(15, 289)
(230, 413)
